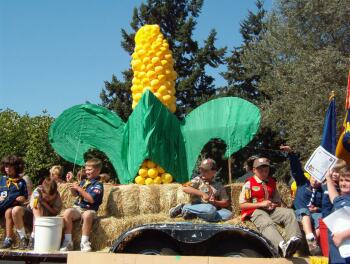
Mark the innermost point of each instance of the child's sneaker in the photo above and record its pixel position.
(7, 243)
(31, 243)
(23, 243)
(314, 248)
(287, 249)
(85, 247)
(67, 246)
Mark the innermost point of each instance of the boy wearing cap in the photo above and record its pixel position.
(260, 202)
(208, 198)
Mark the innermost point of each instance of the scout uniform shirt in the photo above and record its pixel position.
(93, 187)
(214, 188)
(10, 189)
(255, 190)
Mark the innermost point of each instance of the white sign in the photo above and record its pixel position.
(337, 222)
(319, 163)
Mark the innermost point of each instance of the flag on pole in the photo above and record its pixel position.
(330, 127)
(343, 146)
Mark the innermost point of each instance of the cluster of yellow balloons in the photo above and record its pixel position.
(153, 67)
(150, 173)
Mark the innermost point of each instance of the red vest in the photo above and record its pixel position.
(257, 194)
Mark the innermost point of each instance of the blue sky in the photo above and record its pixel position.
(56, 54)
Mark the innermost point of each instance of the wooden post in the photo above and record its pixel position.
(229, 171)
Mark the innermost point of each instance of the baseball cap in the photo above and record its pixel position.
(261, 162)
(208, 164)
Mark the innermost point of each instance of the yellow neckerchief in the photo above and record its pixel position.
(13, 181)
(86, 184)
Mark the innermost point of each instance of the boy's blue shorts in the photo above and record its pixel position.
(314, 216)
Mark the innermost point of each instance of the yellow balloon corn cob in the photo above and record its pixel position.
(153, 67)
(151, 173)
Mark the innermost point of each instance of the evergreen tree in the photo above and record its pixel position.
(303, 55)
(177, 20)
(240, 81)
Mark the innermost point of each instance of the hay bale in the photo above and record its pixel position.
(128, 199)
(115, 207)
(106, 230)
(107, 195)
(236, 189)
(181, 197)
(149, 202)
(168, 196)
(284, 191)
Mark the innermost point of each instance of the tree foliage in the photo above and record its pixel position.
(300, 58)
(177, 20)
(27, 137)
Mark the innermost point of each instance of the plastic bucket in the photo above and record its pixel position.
(48, 234)
(323, 238)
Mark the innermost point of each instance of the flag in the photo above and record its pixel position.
(343, 146)
(330, 127)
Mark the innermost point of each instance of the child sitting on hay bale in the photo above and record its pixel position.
(307, 202)
(260, 201)
(45, 201)
(13, 191)
(208, 199)
(56, 173)
(90, 194)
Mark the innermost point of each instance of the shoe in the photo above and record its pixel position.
(67, 246)
(31, 243)
(23, 243)
(175, 211)
(85, 247)
(314, 248)
(188, 215)
(7, 243)
(287, 249)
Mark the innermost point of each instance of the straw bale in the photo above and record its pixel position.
(107, 195)
(236, 189)
(114, 205)
(67, 198)
(286, 196)
(149, 199)
(181, 196)
(106, 230)
(128, 199)
(168, 196)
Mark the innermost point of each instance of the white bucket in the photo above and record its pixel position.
(48, 234)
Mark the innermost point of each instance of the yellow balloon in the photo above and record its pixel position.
(161, 77)
(143, 172)
(154, 82)
(158, 180)
(158, 69)
(293, 188)
(166, 98)
(160, 170)
(149, 181)
(167, 178)
(137, 96)
(150, 164)
(151, 74)
(152, 173)
(140, 180)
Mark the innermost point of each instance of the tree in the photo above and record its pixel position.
(302, 55)
(177, 22)
(242, 83)
(27, 137)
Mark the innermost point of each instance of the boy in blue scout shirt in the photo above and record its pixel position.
(89, 197)
(13, 191)
(307, 202)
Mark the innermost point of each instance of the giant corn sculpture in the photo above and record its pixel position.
(153, 146)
